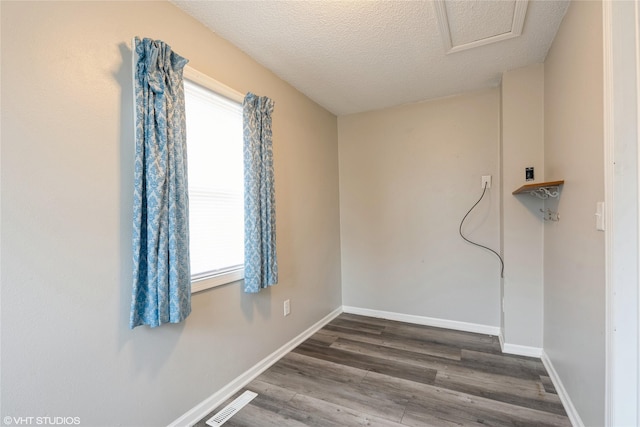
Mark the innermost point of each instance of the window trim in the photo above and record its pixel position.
(201, 282)
(212, 84)
(213, 280)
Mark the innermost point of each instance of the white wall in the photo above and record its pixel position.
(522, 223)
(67, 172)
(574, 258)
(407, 177)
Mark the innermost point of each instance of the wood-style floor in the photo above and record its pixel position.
(362, 371)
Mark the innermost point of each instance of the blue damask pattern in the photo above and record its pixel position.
(260, 260)
(162, 279)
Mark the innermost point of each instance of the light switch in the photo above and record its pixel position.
(600, 216)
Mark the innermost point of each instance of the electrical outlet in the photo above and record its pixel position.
(486, 180)
(287, 307)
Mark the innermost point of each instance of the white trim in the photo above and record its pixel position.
(516, 349)
(637, 41)
(520, 350)
(622, 354)
(608, 147)
(422, 320)
(517, 23)
(199, 411)
(209, 282)
(212, 84)
(572, 413)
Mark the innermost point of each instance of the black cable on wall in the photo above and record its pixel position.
(484, 190)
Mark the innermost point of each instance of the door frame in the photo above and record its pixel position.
(621, 49)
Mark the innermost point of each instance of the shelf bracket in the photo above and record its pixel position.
(545, 192)
(550, 215)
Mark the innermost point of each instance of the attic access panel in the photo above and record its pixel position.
(469, 24)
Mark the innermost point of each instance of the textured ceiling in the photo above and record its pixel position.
(354, 56)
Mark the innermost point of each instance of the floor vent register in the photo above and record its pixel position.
(231, 409)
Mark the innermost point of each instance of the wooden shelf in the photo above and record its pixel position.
(538, 187)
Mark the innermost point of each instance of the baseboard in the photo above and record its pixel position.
(209, 404)
(572, 413)
(422, 320)
(519, 350)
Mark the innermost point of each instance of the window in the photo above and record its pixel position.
(215, 163)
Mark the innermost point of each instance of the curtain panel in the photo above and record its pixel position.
(260, 260)
(162, 279)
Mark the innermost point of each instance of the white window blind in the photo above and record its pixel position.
(215, 163)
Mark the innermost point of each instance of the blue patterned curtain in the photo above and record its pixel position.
(260, 261)
(162, 279)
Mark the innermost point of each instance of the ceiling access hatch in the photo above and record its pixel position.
(469, 24)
